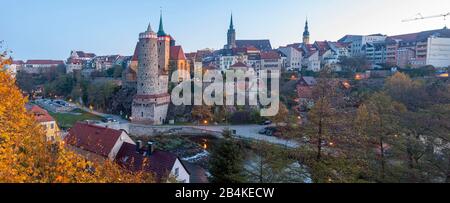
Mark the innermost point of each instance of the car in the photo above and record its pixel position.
(263, 131)
(109, 120)
(270, 131)
(267, 122)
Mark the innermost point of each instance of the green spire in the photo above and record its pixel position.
(161, 27)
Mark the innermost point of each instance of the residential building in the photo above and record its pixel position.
(41, 66)
(163, 164)
(272, 60)
(102, 63)
(293, 57)
(96, 143)
(14, 67)
(49, 124)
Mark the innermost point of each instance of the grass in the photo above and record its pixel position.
(67, 120)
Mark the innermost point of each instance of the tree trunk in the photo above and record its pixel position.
(382, 158)
(319, 141)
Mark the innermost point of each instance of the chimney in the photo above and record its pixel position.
(151, 148)
(138, 145)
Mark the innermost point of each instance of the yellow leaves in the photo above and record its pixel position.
(25, 156)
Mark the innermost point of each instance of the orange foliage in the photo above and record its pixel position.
(26, 156)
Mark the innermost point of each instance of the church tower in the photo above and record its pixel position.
(151, 102)
(231, 36)
(163, 48)
(306, 33)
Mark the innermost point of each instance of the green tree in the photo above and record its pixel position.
(226, 161)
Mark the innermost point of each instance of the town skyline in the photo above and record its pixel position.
(193, 34)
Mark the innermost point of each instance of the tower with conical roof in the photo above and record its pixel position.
(231, 36)
(151, 102)
(163, 48)
(306, 33)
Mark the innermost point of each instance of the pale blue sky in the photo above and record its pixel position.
(49, 29)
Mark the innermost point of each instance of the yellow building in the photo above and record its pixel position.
(47, 122)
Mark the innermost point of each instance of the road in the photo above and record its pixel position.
(242, 131)
(251, 132)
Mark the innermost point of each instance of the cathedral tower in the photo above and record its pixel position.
(306, 33)
(152, 100)
(231, 36)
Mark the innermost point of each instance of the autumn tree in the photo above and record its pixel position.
(202, 113)
(381, 115)
(26, 156)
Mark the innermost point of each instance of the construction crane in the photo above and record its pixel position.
(420, 17)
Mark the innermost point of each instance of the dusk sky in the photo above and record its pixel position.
(49, 29)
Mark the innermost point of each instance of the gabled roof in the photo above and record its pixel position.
(263, 45)
(321, 46)
(40, 114)
(159, 162)
(82, 54)
(95, 139)
(239, 65)
(176, 53)
(310, 81)
(136, 53)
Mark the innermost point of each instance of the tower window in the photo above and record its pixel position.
(142, 114)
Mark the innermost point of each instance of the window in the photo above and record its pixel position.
(52, 126)
(142, 114)
(177, 172)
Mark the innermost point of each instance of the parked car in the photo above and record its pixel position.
(267, 122)
(270, 131)
(109, 120)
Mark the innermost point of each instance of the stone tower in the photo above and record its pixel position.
(152, 100)
(306, 33)
(163, 49)
(231, 36)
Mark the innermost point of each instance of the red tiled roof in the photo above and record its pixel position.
(83, 54)
(322, 46)
(270, 55)
(176, 53)
(40, 114)
(136, 53)
(74, 61)
(45, 62)
(95, 139)
(159, 162)
(238, 65)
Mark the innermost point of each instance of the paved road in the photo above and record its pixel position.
(242, 131)
(251, 132)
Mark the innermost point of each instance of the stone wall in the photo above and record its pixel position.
(146, 130)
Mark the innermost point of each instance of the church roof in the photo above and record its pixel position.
(263, 45)
(177, 53)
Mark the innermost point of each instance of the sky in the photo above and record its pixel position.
(50, 29)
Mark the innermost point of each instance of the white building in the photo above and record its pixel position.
(293, 57)
(312, 61)
(359, 41)
(438, 52)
